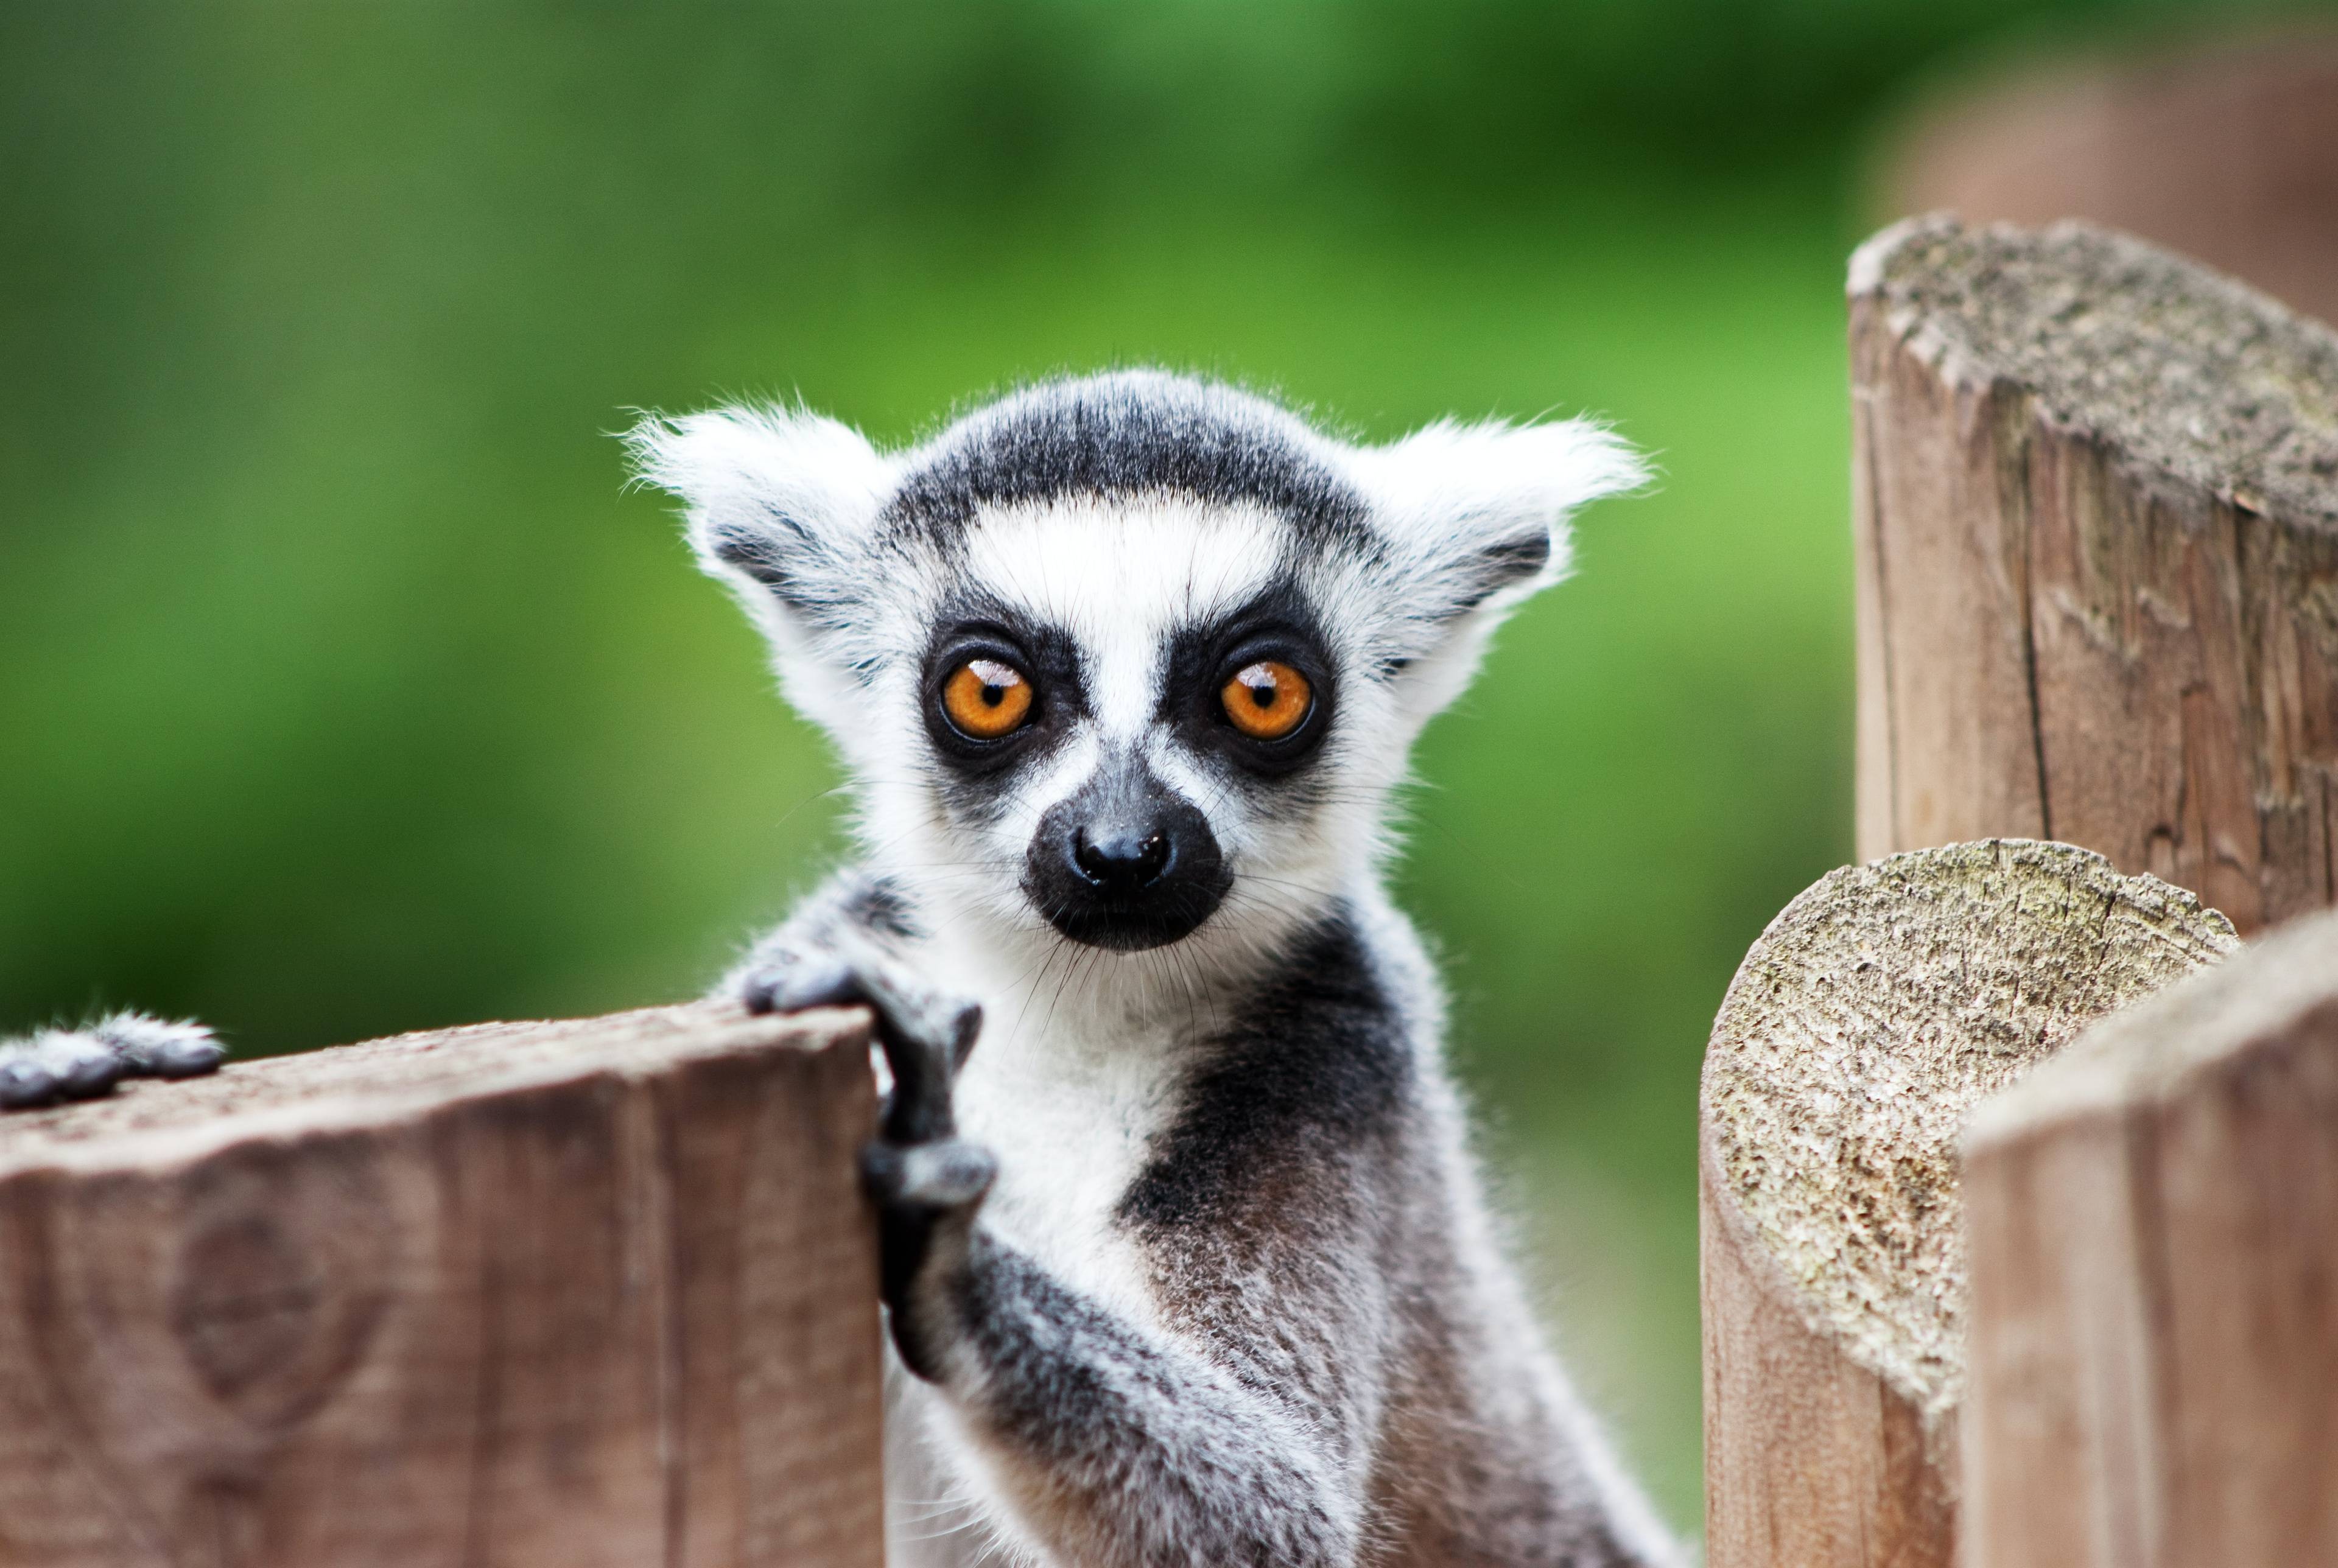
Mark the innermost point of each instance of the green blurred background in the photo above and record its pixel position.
(345, 690)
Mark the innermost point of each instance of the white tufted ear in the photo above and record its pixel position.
(778, 498)
(781, 506)
(1474, 517)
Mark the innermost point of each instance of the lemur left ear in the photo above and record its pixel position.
(1476, 514)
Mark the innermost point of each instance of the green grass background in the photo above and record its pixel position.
(344, 688)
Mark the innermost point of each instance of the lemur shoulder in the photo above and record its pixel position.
(1185, 1254)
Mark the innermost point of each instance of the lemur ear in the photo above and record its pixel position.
(1477, 514)
(780, 504)
(1474, 517)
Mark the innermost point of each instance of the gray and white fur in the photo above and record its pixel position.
(1185, 1258)
(50, 1066)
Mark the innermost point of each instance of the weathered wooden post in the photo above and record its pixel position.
(2096, 502)
(2154, 1231)
(1869, 1018)
(581, 1293)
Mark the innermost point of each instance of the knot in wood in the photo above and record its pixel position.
(247, 1299)
(278, 1283)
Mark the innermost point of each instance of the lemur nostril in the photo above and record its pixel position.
(1153, 855)
(1121, 862)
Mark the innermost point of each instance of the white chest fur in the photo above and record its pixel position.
(1072, 1121)
(1071, 1107)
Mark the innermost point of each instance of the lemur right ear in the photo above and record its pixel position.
(780, 503)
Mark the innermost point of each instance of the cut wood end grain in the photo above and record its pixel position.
(2184, 371)
(1866, 1021)
(382, 1080)
(2152, 1053)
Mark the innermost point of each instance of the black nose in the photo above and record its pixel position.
(1125, 863)
(1122, 861)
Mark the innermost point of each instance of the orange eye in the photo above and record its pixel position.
(986, 698)
(1267, 700)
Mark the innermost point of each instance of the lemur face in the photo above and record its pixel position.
(1134, 700)
(1131, 661)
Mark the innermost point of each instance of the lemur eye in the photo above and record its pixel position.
(1268, 700)
(986, 698)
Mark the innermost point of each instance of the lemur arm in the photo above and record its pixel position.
(1123, 1444)
(853, 908)
(1234, 1432)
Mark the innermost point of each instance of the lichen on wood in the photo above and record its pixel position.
(2189, 372)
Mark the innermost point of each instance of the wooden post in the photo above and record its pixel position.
(2153, 1225)
(600, 1292)
(1870, 1015)
(2096, 503)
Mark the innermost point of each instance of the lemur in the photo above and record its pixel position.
(1183, 1252)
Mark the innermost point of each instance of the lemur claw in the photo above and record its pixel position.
(940, 1176)
(926, 1035)
(61, 1065)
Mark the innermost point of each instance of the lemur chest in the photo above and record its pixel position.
(1073, 1121)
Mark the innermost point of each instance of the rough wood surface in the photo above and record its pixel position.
(2228, 153)
(590, 1292)
(2095, 503)
(1863, 1026)
(2153, 1224)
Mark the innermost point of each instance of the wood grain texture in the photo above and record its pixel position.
(595, 1292)
(2095, 510)
(2153, 1223)
(1875, 1011)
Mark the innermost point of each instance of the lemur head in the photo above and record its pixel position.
(1130, 660)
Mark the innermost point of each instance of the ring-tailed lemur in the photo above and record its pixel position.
(1187, 1263)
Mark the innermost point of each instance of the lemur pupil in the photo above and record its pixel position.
(992, 696)
(1263, 694)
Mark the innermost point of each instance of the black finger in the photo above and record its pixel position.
(918, 1111)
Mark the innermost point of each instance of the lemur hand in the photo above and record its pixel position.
(927, 1181)
(58, 1064)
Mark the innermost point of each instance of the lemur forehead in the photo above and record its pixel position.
(1112, 571)
(1128, 435)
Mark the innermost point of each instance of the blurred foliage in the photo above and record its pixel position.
(347, 692)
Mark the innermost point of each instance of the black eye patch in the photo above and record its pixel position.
(1278, 627)
(992, 635)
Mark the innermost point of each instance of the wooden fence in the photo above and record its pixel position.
(591, 1293)
(1957, 1310)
